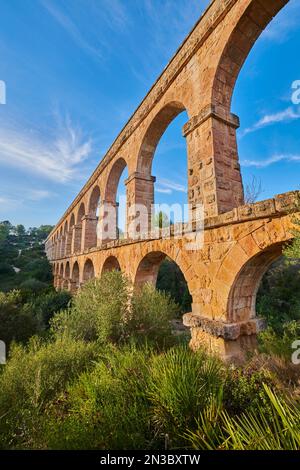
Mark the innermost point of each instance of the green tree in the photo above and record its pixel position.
(161, 220)
(4, 232)
(20, 231)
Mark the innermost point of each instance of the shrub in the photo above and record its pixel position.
(33, 376)
(106, 408)
(280, 345)
(6, 269)
(99, 310)
(33, 286)
(150, 316)
(46, 305)
(182, 382)
(274, 428)
(15, 324)
(39, 269)
(243, 389)
(106, 310)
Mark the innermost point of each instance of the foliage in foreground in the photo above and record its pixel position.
(92, 385)
(36, 374)
(275, 427)
(106, 310)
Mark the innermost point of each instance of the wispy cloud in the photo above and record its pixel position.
(166, 186)
(38, 194)
(163, 190)
(270, 161)
(70, 27)
(56, 157)
(288, 114)
(109, 15)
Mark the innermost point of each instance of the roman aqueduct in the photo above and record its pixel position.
(239, 241)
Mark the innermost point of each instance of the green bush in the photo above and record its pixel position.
(15, 324)
(106, 408)
(150, 316)
(39, 269)
(182, 382)
(33, 376)
(33, 286)
(43, 307)
(280, 345)
(274, 427)
(243, 390)
(6, 269)
(106, 310)
(99, 310)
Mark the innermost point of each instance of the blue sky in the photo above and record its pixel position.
(75, 70)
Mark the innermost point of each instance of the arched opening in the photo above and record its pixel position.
(161, 271)
(75, 276)
(91, 222)
(111, 264)
(166, 200)
(268, 136)
(249, 27)
(113, 216)
(242, 298)
(88, 271)
(278, 297)
(78, 229)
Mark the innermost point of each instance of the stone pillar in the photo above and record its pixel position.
(63, 246)
(68, 242)
(214, 176)
(89, 231)
(107, 222)
(58, 282)
(230, 341)
(140, 200)
(76, 238)
(56, 249)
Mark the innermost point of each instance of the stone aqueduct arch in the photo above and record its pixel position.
(240, 241)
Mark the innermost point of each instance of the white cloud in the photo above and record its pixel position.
(288, 114)
(164, 190)
(270, 161)
(39, 194)
(168, 186)
(56, 157)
